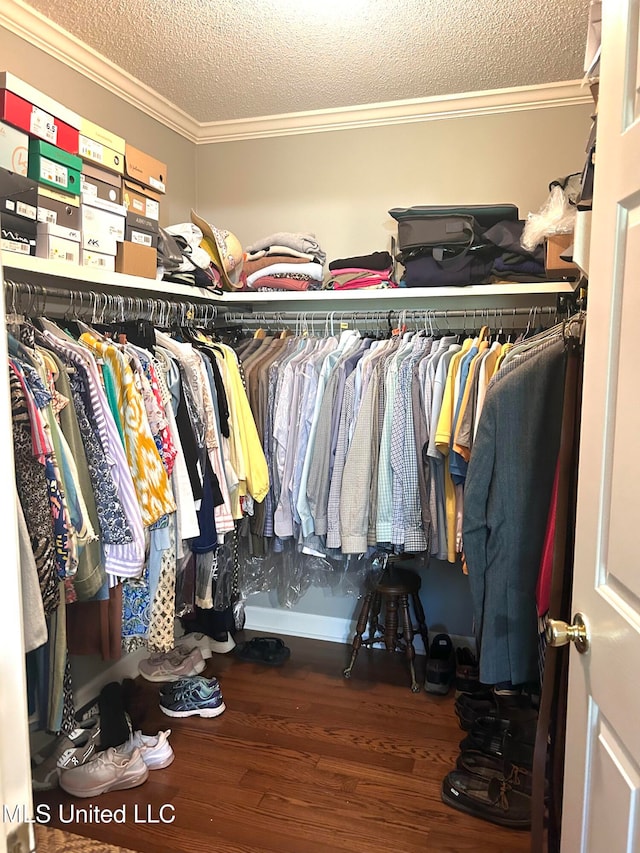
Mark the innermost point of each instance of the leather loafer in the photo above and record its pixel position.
(494, 800)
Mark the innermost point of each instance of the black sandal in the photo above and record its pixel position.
(270, 651)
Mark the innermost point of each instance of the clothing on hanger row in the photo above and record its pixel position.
(132, 466)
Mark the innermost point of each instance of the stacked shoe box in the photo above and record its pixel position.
(18, 194)
(101, 211)
(52, 133)
(144, 185)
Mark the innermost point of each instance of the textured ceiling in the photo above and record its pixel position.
(220, 60)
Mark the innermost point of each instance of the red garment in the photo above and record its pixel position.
(543, 587)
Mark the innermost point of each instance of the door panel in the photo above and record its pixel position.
(601, 799)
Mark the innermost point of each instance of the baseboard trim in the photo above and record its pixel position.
(328, 628)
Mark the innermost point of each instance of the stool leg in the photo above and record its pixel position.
(363, 618)
(374, 626)
(408, 638)
(422, 622)
(391, 624)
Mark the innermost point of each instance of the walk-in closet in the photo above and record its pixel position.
(318, 540)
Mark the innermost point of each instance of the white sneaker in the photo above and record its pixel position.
(155, 750)
(206, 644)
(172, 665)
(108, 771)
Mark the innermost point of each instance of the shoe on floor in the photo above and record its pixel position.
(155, 750)
(488, 767)
(441, 665)
(107, 771)
(66, 751)
(172, 666)
(181, 649)
(173, 686)
(225, 643)
(467, 671)
(493, 800)
(193, 699)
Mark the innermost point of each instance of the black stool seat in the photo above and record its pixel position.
(393, 589)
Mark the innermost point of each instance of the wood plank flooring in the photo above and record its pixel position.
(302, 761)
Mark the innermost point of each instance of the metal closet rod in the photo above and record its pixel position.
(105, 307)
(471, 315)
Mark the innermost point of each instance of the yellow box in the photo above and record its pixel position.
(95, 152)
(104, 137)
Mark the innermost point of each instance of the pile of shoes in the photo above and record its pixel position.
(492, 778)
(119, 767)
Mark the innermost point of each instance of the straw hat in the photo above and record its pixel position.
(224, 249)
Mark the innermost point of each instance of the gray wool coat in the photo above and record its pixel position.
(506, 505)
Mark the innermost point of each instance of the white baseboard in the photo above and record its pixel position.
(329, 628)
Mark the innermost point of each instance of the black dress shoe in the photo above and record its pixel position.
(494, 800)
(488, 767)
(513, 741)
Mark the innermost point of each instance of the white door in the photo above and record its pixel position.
(16, 833)
(601, 806)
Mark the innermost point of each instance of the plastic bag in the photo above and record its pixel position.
(556, 216)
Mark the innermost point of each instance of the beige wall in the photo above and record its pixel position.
(95, 103)
(341, 184)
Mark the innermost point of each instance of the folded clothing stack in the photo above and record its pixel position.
(361, 272)
(284, 261)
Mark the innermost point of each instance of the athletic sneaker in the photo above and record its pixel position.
(193, 699)
(107, 771)
(173, 686)
(208, 644)
(155, 750)
(66, 751)
(183, 648)
(172, 666)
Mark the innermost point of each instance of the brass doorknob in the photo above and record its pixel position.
(559, 633)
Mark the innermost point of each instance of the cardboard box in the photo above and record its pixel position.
(14, 149)
(554, 265)
(59, 195)
(54, 167)
(134, 259)
(104, 137)
(18, 195)
(106, 263)
(141, 200)
(101, 186)
(48, 229)
(39, 99)
(89, 149)
(37, 123)
(100, 242)
(140, 230)
(145, 169)
(96, 221)
(58, 212)
(17, 235)
(58, 249)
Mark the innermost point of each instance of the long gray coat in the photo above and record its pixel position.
(506, 505)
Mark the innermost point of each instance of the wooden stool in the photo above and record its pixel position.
(394, 588)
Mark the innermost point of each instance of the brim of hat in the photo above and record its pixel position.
(210, 245)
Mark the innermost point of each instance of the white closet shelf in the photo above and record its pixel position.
(471, 296)
(40, 271)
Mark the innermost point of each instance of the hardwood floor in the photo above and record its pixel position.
(302, 761)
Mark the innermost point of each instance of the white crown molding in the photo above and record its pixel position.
(441, 107)
(34, 28)
(42, 33)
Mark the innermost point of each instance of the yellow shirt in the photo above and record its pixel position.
(149, 475)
